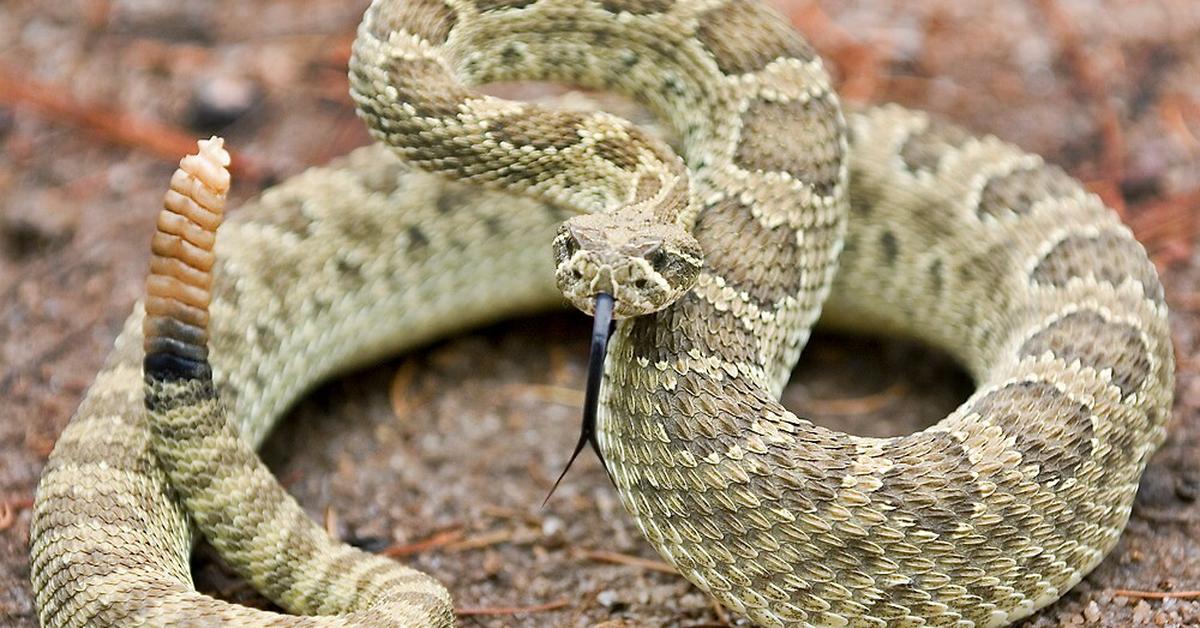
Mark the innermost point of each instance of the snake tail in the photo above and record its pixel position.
(275, 545)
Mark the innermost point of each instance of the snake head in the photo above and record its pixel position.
(644, 266)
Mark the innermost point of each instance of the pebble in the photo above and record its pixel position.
(37, 225)
(493, 564)
(221, 101)
(1187, 486)
(608, 598)
(1142, 613)
(552, 526)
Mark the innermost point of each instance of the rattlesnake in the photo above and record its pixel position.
(966, 243)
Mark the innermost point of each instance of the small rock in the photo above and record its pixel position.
(606, 597)
(1187, 487)
(221, 101)
(553, 533)
(39, 227)
(609, 599)
(1142, 613)
(1091, 612)
(552, 526)
(493, 563)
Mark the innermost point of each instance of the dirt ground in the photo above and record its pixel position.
(442, 457)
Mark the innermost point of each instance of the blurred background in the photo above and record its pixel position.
(442, 457)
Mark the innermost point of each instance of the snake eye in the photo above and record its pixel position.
(569, 246)
(659, 260)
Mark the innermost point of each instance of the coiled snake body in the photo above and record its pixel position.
(966, 243)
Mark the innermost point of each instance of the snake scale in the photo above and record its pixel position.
(910, 226)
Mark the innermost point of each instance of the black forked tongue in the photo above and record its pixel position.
(602, 328)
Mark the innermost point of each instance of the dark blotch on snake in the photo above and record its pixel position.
(1097, 343)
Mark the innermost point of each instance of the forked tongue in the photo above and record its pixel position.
(602, 327)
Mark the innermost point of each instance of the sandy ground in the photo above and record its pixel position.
(443, 456)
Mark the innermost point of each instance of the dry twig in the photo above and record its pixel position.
(331, 521)
(9, 509)
(1163, 221)
(1163, 516)
(398, 392)
(440, 539)
(722, 616)
(470, 611)
(624, 559)
(548, 393)
(8, 515)
(486, 539)
(111, 125)
(509, 514)
(1156, 595)
(858, 405)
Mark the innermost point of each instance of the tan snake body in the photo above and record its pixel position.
(966, 243)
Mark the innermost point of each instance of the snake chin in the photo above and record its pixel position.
(645, 268)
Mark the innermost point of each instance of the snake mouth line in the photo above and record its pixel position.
(602, 329)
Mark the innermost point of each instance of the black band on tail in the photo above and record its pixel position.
(167, 366)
